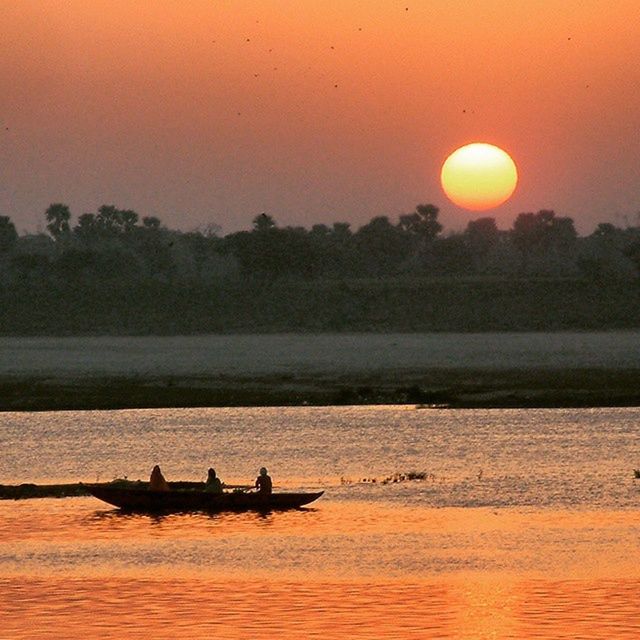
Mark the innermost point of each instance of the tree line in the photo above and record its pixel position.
(117, 245)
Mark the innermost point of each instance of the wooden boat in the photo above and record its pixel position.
(143, 499)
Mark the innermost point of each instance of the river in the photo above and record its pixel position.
(524, 524)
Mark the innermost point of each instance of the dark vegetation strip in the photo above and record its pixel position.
(413, 305)
(111, 273)
(457, 389)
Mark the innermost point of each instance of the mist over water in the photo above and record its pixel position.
(525, 525)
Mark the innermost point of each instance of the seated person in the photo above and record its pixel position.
(213, 484)
(263, 483)
(157, 481)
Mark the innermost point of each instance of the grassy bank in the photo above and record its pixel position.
(408, 305)
(452, 388)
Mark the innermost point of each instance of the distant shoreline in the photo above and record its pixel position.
(460, 388)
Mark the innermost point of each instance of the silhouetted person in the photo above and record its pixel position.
(263, 483)
(213, 484)
(157, 481)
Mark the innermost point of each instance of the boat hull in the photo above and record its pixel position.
(142, 499)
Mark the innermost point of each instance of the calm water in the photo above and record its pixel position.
(526, 526)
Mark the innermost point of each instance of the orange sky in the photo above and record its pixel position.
(213, 111)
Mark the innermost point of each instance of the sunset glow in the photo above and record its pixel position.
(206, 111)
(319, 320)
(479, 176)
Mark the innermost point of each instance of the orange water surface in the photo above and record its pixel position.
(72, 569)
(525, 526)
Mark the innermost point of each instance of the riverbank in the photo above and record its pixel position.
(459, 388)
(560, 369)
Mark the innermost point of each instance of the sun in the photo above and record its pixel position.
(479, 176)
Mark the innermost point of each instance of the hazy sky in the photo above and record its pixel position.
(205, 111)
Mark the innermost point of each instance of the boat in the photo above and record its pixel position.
(144, 500)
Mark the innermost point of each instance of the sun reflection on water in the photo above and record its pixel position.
(542, 544)
(113, 608)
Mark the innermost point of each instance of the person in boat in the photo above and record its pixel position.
(157, 481)
(263, 483)
(213, 484)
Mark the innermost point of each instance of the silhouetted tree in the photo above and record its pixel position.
(30, 259)
(335, 252)
(382, 247)
(606, 253)
(482, 236)
(633, 253)
(114, 220)
(76, 264)
(605, 230)
(8, 234)
(31, 268)
(113, 272)
(87, 229)
(342, 230)
(210, 230)
(562, 234)
(423, 222)
(260, 252)
(529, 230)
(321, 258)
(58, 216)
(297, 254)
(263, 222)
(421, 228)
(206, 253)
(117, 264)
(151, 222)
(536, 234)
(320, 231)
(109, 223)
(155, 246)
(452, 255)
